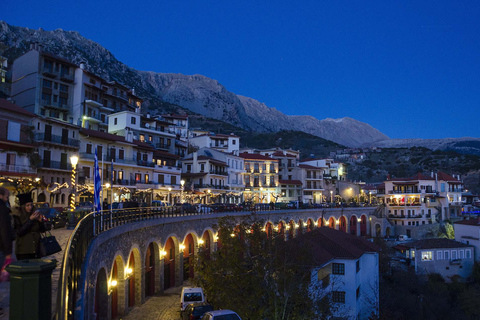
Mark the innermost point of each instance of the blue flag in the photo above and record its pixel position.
(97, 185)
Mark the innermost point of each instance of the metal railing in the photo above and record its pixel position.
(57, 139)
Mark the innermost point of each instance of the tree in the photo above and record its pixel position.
(256, 274)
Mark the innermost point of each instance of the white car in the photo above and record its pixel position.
(221, 315)
(191, 295)
(202, 208)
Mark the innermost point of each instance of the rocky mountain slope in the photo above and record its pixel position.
(197, 93)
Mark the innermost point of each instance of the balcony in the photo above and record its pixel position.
(401, 204)
(94, 103)
(93, 118)
(55, 105)
(145, 163)
(16, 168)
(57, 165)
(42, 137)
(220, 173)
(162, 146)
(49, 72)
(66, 77)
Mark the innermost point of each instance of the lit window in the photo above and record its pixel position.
(427, 255)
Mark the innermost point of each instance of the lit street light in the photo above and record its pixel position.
(182, 183)
(73, 161)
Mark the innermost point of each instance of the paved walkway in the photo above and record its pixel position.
(165, 306)
(62, 236)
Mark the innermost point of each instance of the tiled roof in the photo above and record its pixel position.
(446, 177)
(290, 182)
(103, 135)
(7, 105)
(418, 176)
(142, 145)
(280, 154)
(211, 160)
(435, 243)
(326, 244)
(255, 156)
(306, 166)
(470, 222)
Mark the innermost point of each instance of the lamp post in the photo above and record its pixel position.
(208, 195)
(169, 195)
(331, 196)
(370, 197)
(107, 186)
(260, 198)
(73, 161)
(182, 183)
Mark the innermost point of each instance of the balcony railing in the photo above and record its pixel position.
(16, 168)
(55, 165)
(221, 173)
(55, 105)
(57, 139)
(145, 163)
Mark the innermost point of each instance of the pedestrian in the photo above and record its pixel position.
(6, 235)
(28, 224)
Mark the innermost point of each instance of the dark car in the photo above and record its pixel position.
(196, 310)
(53, 218)
(184, 208)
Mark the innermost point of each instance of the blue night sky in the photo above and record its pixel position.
(411, 69)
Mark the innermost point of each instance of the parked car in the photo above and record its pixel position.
(88, 205)
(184, 208)
(191, 295)
(390, 238)
(221, 315)
(158, 203)
(53, 218)
(195, 311)
(404, 237)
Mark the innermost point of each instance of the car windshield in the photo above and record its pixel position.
(194, 296)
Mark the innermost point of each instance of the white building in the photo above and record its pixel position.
(446, 257)
(468, 232)
(347, 272)
(221, 142)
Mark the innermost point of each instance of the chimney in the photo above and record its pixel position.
(133, 91)
(431, 174)
(32, 45)
(82, 65)
(148, 115)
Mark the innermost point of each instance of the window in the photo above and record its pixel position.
(133, 120)
(338, 296)
(138, 177)
(121, 154)
(454, 254)
(439, 255)
(234, 142)
(147, 178)
(63, 88)
(447, 255)
(358, 265)
(114, 121)
(47, 83)
(427, 255)
(120, 175)
(467, 254)
(461, 254)
(338, 268)
(89, 149)
(358, 292)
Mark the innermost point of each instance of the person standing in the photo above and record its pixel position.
(6, 235)
(28, 226)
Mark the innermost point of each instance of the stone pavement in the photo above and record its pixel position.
(62, 236)
(161, 306)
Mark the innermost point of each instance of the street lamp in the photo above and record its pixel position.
(169, 195)
(370, 197)
(261, 199)
(182, 183)
(208, 195)
(73, 161)
(331, 196)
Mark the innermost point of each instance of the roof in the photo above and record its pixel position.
(446, 177)
(102, 135)
(280, 154)
(142, 145)
(418, 176)
(202, 157)
(470, 222)
(306, 166)
(327, 244)
(290, 182)
(435, 244)
(255, 156)
(50, 55)
(164, 154)
(175, 116)
(9, 106)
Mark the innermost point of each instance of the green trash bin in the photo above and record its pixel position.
(31, 289)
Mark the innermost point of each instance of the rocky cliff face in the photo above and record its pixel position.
(194, 92)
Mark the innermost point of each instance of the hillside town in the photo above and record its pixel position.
(58, 117)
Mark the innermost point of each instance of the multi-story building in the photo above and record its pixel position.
(149, 130)
(449, 258)
(347, 273)
(207, 173)
(57, 142)
(179, 124)
(468, 231)
(4, 84)
(421, 199)
(261, 178)
(43, 84)
(221, 142)
(312, 178)
(17, 150)
(167, 175)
